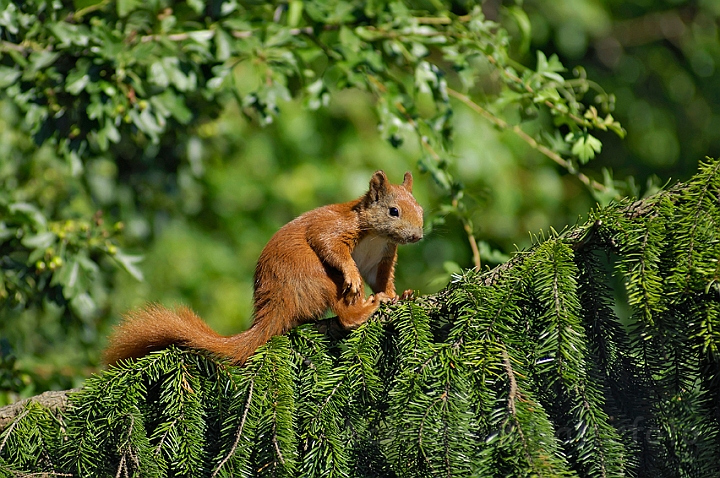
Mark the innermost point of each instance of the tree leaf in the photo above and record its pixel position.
(76, 82)
(68, 276)
(128, 262)
(84, 306)
(223, 44)
(197, 5)
(585, 148)
(170, 104)
(124, 7)
(8, 76)
(42, 240)
(31, 211)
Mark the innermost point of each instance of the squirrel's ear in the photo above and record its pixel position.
(378, 185)
(407, 181)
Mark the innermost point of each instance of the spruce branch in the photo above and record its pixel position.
(55, 401)
(239, 432)
(9, 430)
(522, 369)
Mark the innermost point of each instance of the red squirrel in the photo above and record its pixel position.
(314, 263)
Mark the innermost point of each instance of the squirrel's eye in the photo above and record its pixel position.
(394, 212)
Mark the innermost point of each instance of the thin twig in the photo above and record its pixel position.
(467, 226)
(239, 34)
(9, 430)
(443, 20)
(502, 124)
(529, 89)
(274, 439)
(238, 434)
(513, 392)
(78, 14)
(442, 397)
(6, 45)
(121, 466)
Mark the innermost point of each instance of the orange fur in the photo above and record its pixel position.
(314, 263)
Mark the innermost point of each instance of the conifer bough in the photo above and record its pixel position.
(594, 353)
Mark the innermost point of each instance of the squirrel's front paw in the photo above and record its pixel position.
(352, 288)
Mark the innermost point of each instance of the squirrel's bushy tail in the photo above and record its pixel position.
(156, 327)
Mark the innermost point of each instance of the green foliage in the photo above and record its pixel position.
(660, 60)
(102, 74)
(223, 120)
(525, 370)
(198, 128)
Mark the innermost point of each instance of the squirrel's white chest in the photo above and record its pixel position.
(367, 255)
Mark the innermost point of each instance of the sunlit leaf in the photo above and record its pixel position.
(8, 76)
(129, 263)
(585, 147)
(42, 240)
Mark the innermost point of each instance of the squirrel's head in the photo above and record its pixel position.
(392, 211)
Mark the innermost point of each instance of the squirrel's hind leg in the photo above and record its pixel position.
(353, 315)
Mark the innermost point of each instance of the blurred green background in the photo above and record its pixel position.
(209, 202)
